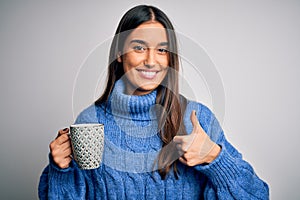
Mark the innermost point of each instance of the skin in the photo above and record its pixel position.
(145, 62)
(61, 150)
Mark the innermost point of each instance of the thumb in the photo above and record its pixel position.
(195, 122)
(62, 131)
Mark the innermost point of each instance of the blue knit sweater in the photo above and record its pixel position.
(131, 147)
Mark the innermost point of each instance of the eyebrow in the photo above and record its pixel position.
(145, 43)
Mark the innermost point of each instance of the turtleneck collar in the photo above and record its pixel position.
(133, 107)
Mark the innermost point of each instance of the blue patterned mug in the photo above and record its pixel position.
(87, 144)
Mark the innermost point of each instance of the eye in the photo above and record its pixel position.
(162, 50)
(139, 48)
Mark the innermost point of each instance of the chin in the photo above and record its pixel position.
(145, 89)
(149, 87)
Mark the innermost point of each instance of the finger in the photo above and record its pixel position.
(178, 146)
(197, 128)
(62, 131)
(180, 149)
(184, 142)
(179, 139)
(60, 153)
(194, 120)
(65, 146)
(181, 159)
(181, 152)
(186, 146)
(62, 139)
(67, 152)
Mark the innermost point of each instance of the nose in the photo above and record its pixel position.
(150, 60)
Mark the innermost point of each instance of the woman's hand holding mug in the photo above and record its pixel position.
(61, 149)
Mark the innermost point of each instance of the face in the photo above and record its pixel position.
(145, 58)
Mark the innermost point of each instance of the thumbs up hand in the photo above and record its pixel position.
(196, 148)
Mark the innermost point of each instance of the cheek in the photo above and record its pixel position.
(165, 73)
(131, 60)
(163, 60)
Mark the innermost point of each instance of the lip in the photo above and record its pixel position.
(148, 74)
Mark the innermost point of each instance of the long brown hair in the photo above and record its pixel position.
(171, 122)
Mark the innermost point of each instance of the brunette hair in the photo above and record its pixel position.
(171, 122)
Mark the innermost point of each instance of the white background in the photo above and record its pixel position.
(254, 45)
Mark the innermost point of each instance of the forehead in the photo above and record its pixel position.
(151, 32)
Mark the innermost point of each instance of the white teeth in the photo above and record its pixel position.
(148, 74)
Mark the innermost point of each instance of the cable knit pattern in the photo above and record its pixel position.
(132, 144)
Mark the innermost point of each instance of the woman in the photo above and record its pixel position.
(158, 145)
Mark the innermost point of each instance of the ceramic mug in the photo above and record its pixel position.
(87, 144)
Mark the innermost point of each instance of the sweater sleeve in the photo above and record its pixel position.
(229, 176)
(56, 183)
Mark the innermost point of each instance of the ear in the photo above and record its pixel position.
(119, 57)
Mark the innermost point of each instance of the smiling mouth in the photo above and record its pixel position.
(148, 74)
